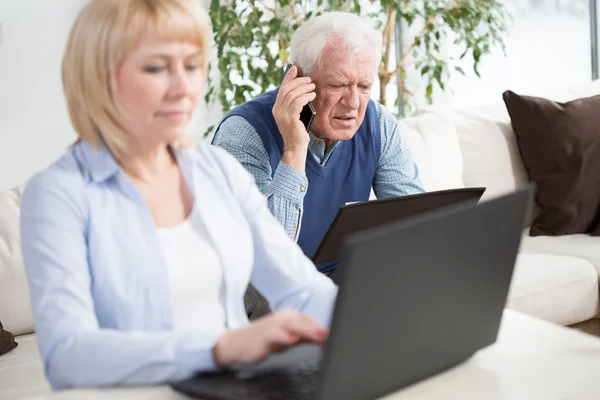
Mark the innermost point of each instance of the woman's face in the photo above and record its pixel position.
(158, 85)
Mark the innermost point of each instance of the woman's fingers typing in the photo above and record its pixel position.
(270, 334)
(304, 327)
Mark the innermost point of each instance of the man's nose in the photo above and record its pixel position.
(350, 97)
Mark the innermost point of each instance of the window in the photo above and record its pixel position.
(548, 45)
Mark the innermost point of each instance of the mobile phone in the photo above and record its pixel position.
(307, 115)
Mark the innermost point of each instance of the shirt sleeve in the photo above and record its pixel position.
(397, 174)
(285, 189)
(76, 351)
(281, 271)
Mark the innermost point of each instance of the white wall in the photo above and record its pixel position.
(34, 125)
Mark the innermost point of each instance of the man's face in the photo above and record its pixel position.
(343, 85)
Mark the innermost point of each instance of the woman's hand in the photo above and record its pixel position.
(270, 334)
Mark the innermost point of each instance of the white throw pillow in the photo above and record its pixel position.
(434, 145)
(15, 305)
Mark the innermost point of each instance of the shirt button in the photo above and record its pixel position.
(302, 189)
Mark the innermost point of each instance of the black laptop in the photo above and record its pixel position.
(360, 216)
(417, 298)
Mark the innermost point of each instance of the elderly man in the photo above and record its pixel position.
(353, 144)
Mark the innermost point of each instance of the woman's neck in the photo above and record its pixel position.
(147, 164)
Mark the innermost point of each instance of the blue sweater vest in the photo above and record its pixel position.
(347, 176)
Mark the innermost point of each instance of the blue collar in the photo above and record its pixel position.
(98, 161)
(101, 165)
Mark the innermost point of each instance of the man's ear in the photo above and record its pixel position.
(300, 74)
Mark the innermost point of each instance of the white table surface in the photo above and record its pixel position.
(532, 359)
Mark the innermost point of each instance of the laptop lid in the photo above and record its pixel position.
(361, 216)
(421, 296)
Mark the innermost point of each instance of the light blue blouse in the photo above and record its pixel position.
(99, 284)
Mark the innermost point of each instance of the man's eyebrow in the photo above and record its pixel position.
(338, 79)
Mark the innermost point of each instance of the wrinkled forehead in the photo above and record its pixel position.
(343, 66)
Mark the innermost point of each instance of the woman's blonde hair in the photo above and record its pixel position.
(104, 32)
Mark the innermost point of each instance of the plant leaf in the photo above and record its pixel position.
(459, 70)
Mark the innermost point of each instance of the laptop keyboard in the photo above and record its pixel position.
(297, 383)
(294, 375)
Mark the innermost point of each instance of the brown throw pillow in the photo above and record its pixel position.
(560, 147)
(7, 341)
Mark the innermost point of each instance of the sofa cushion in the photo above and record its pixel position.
(560, 147)
(489, 149)
(15, 306)
(22, 371)
(432, 140)
(560, 289)
(581, 246)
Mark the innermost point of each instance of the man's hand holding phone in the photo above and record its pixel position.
(294, 94)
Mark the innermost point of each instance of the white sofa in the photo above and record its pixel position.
(556, 278)
(21, 371)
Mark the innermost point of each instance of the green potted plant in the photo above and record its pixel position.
(252, 38)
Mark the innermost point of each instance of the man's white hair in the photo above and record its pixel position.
(332, 29)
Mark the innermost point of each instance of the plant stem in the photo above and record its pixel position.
(266, 7)
(388, 31)
(384, 74)
(414, 44)
(293, 8)
(251, 2)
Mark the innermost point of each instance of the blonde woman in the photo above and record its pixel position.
(138, 249)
